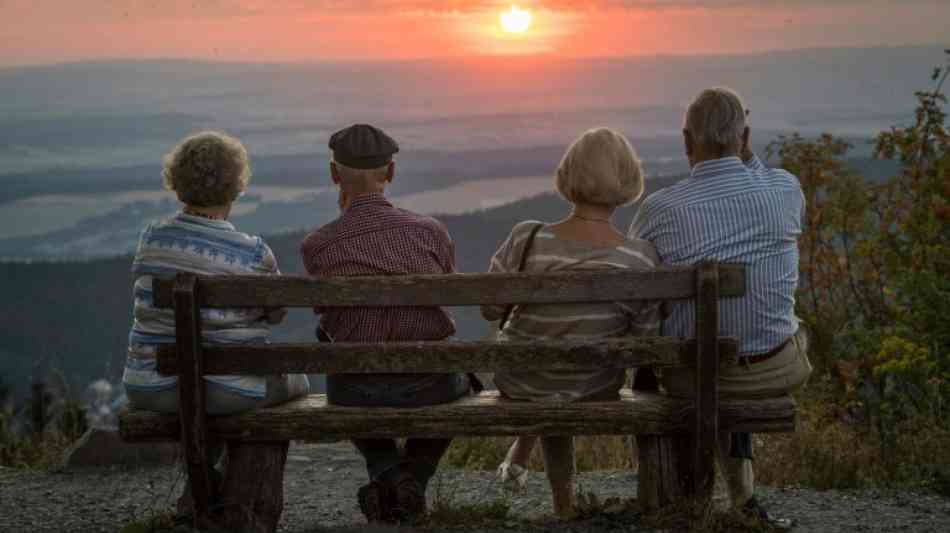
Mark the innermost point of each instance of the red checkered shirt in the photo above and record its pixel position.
(373, 238)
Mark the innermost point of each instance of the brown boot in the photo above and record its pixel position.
(374, 500)
(565, 503)
(409, 498)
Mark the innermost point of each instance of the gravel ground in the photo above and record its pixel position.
(321, 483)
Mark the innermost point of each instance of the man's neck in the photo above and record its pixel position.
(348, 196)
(355, 192)
(698, 159)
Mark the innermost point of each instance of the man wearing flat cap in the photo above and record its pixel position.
(371, 237)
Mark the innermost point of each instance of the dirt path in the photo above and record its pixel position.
(321, 482)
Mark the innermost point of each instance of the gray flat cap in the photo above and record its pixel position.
(363, 146)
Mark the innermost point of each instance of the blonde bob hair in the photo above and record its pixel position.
(207, 169)
(600, 168)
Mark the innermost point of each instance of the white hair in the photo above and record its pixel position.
(600, 168)
(360, 175)
(716, 120)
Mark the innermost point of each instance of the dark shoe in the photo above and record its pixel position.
(754, 509)
(409, 498)
(374, 501)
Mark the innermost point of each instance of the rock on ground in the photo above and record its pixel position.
(321, 483)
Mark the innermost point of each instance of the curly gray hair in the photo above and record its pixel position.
(207, 169)
(716, 119)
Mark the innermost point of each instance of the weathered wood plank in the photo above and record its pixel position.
(485, 414)
(757, 420)
(706, 416)
(191, 397)
(445, 356)
(452, 289)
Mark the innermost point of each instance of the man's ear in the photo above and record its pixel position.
(334, 173)
(688, 143)
(390, 171)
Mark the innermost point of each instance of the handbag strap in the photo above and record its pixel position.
(521, 264)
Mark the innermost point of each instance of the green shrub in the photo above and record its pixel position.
(875, 290)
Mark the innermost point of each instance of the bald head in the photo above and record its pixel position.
(715, 125)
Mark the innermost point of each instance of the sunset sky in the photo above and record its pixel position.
(48, 31)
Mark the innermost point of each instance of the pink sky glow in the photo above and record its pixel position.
(48, 31)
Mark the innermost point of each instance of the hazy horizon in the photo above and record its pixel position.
(472, 58)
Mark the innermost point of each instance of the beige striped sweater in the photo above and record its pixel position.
(571, 321)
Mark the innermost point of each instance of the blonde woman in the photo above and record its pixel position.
(599, 173)
(208, 171)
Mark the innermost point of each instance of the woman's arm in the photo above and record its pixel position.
(645, 315)
(501, 262)
(272, 315)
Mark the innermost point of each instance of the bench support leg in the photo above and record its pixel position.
(252, 495)
(659, 471)
(191, 399)
(705, 427)
(658, 457)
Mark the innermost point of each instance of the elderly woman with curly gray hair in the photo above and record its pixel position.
(208, 171)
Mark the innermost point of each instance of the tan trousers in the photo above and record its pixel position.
(785, 372)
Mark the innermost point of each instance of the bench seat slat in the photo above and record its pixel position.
(445, 356)
(666, 283)
(482, 415)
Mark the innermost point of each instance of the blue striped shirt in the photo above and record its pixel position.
(186, 243)
(733, 212)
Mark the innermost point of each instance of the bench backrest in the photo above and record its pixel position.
(444, 290)
(188, 293)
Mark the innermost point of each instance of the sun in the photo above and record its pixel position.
(515, 20)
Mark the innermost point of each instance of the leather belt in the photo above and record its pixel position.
(760, 357)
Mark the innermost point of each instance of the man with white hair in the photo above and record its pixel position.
(732, 209)
(371, 237)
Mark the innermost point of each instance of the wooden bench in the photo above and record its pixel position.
(676, 437)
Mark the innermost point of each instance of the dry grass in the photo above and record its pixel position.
(36, 451)
(153, 524)
(449, 511)
(827, 452)
(593, 453)
(453, 514)
(66, 422)
(701, 518)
